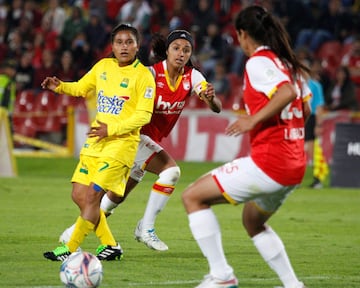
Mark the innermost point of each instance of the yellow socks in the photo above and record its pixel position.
(82, 229)
(103, 231)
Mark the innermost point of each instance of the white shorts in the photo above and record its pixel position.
(146, 149)
(242, 181)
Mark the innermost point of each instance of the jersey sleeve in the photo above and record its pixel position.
(306, 93)
(146, 92)
(264, 75)
(198, 81)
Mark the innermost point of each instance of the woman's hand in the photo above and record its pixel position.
(98, 131)
(244, 124)
(209, 92)
(208, 95)
(50, 83)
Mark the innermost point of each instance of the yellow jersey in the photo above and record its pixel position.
(125, 101)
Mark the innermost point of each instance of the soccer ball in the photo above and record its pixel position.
(81, 270)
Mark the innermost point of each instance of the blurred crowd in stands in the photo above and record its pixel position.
(66, 37)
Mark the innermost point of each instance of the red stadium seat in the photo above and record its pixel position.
(46, 117)
(82, 110)
(22, 119)
(51, 124)
(24, 101)
(330, 53)
(24, 126)
(45, 101)
(63, 103)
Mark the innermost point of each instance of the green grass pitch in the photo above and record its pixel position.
(320, 229)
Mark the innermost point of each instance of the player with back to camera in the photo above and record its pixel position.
(276, 100)
(125, 92)
(176, 79)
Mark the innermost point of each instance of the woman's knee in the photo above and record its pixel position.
(78, 194)
(253, 219)
(187, 196)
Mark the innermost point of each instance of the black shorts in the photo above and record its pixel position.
(310, 128)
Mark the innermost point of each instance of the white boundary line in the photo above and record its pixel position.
(179, 283)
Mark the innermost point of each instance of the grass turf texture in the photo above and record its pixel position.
(320, 229)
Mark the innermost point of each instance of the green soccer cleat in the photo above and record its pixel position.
(109, 253)
(58, 254)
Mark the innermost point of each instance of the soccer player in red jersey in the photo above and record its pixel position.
(176, 80)
(275, 97)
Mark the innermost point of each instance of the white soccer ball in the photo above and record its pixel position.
(81, 270)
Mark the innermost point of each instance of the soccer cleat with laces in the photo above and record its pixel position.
(149, 238)
(58, 254)
(109, 253)
(212, 282)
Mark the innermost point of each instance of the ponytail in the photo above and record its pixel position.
(268, 30)
(158, 48)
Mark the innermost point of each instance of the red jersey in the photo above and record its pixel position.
(170, 101)
(277, 145)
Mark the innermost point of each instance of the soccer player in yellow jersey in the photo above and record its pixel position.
(125, 99)
(176, 80)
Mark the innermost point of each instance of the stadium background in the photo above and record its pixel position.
(45, 123)
(320, 227)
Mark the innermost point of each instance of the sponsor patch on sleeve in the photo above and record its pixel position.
(149, 92)
(270, 74)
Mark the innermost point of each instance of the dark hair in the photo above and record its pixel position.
(125, 27)
(160, 44)
(179, 34)
(158, 47)
(268, 30)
